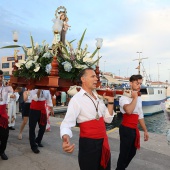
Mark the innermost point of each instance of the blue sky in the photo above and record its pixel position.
(126, 26)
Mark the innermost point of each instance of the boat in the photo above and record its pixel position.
(152, 97)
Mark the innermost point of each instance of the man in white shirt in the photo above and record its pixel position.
(131, 107)
(4, 131)
(90, 112)
(38, 115)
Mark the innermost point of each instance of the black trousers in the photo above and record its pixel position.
(34, 118)
(127, 147)
(90, 154)
(4, 133)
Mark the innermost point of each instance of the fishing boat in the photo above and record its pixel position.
(152, 97)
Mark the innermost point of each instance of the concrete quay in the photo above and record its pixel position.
(153, 155)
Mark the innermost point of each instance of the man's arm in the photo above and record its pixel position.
(142, 124)
(66, 125)
(129, 108)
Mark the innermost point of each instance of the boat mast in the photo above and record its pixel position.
(140, 61)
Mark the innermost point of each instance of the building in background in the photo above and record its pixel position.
(7, 63)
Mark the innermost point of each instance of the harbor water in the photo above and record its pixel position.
(155, 123)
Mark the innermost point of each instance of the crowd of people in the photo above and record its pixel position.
(84, 108)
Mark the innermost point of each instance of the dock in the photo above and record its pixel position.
(153, 155)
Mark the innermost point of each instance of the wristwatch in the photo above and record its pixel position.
(110, 103)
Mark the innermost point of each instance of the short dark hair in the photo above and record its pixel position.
(83, 72)
(1, 72)
(135, 77)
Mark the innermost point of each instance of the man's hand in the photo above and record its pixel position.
(51, 111)
(108, 98)
(67, 147)
(134, 94)
(12, 96)
(146, 136)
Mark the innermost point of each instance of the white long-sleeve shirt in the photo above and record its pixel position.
(44, 95)
(82, 109)
(127, 100)
(4, 90)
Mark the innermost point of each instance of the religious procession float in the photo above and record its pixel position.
(54, 67)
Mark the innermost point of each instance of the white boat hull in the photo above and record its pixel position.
(150, 110)
(151, 101)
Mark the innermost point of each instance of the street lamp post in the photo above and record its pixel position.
(119, 74)
(158, 72)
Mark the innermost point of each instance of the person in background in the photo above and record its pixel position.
(21, 100)
(18, 89)
(58, 98)
(25, 111)
(38, 115)
(49, 112)
(131, 107)
(12, 99)
(63, 98)
(4, 131)
(90, 112)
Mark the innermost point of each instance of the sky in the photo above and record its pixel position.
(126, 26)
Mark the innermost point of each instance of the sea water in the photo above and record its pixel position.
(155, 123)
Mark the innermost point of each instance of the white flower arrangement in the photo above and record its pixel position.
(37, 63)
(39, 58)
(73, 61)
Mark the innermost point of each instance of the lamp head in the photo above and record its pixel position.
(15, 36)
(99, 42)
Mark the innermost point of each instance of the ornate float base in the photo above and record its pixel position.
(53, 83)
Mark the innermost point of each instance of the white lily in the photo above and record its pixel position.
(87, 60)
(30, 51)
(36, 58)
(20, 62)
(29, 64)
(37, 67)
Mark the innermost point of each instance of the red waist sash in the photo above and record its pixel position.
(3, 116)
(40, 105)
(131, 121)
(96, 129)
